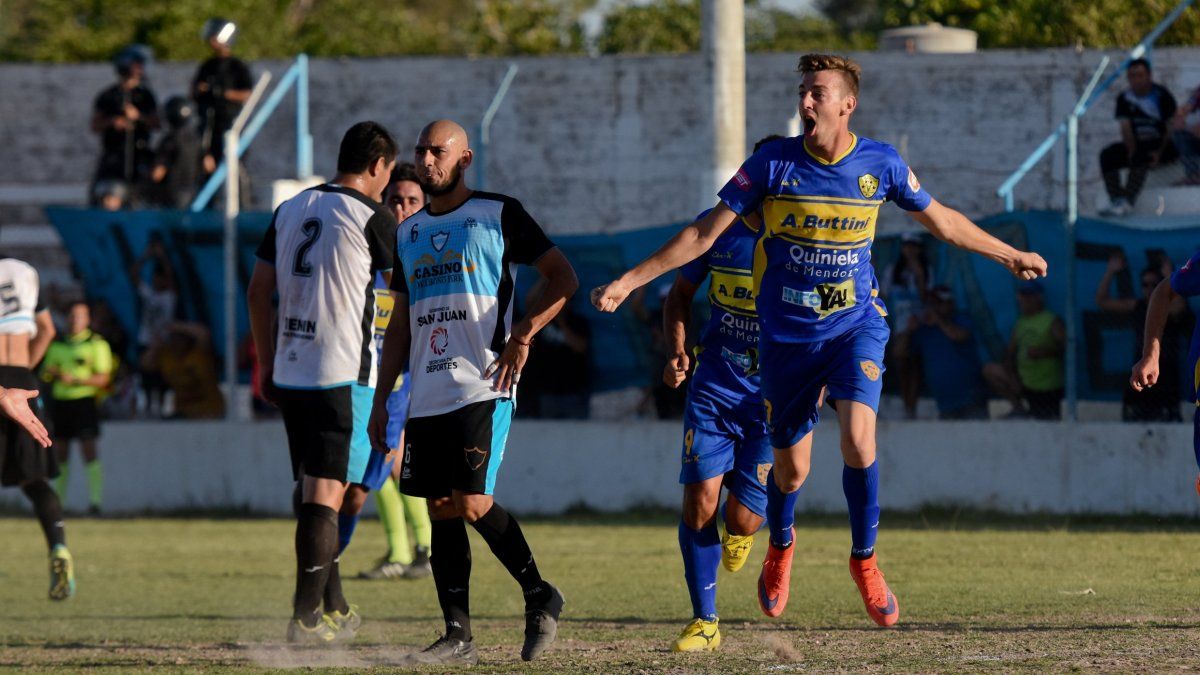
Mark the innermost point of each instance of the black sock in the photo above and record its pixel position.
(335, 601)
(49, 512)
(451, 563)
(316, 546)
(502, 533)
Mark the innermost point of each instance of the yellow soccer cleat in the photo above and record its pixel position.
(323, 633)
(700, 635)
(735, 550)
(347, 624)
(62, 573)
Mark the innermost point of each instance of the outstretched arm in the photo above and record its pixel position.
(956, 229)
(1145, 372)
(686, 245)
(14, 403)
(677, 313)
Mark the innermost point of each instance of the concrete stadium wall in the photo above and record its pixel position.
(1014, 467)
(614, 143)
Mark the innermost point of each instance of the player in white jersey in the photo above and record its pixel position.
(26, 330)
(321, 252)
(452, 332)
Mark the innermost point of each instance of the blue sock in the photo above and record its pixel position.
(701, 556)
(862, 499)
(346, 525)
(781, 512)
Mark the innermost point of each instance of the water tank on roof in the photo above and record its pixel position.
(932, 38)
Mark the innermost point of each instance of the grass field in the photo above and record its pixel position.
(976, 594)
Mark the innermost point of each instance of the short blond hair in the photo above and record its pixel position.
(851, 71)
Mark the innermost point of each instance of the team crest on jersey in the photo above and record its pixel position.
(764, 470)
(870, 370)
(475, 457)
(868, 184)
(439, 239)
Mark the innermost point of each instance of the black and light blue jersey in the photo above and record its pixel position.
(812, 266)
(458, 271)
(727, 351)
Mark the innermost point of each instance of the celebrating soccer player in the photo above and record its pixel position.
(452, 333)
(817, 299)
(1184, 282)
(322, 251)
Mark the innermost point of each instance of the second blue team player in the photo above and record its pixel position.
(816, 294)
(1184, 282)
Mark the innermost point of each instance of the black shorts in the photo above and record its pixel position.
(21, 458)
(76, 418)
(327, 431)
(459, 450)
(1044, 405)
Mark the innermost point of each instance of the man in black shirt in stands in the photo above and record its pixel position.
(1143, 110)
(220, 89)
(123, 115)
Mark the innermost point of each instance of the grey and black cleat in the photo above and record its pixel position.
(448, 651)
(541, 623)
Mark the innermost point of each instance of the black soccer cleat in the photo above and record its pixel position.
(541, 623)
(448, 651)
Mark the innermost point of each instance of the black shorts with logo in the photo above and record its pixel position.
(75, 418)
(459, 450)
(21, 458)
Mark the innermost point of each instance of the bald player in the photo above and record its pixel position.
(453, 334)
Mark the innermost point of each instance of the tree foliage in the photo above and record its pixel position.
(1023, 23)
(89, 30)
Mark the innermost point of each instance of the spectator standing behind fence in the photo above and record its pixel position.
(1185, 134)
(158, 299)
(184, 356)
(1143, 111)
(176, 172)
(905, 285)
(1031, 378)
(1159, 403)
(220, 88)
(79, 366)
(124, 115)
(943, 341)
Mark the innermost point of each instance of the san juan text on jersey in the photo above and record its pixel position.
(326, 244)
(458, 271)
(812, 266)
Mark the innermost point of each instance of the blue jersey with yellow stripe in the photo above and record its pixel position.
(812, 265)
(727, 351)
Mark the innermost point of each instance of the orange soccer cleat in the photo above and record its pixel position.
(775, 578)
(881, 604)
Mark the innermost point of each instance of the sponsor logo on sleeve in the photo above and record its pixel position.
(913, 183)
(742, 180)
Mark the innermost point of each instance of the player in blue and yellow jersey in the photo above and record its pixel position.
(725, 436)
(816, 294)
(725, 441)
(1184, 282)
